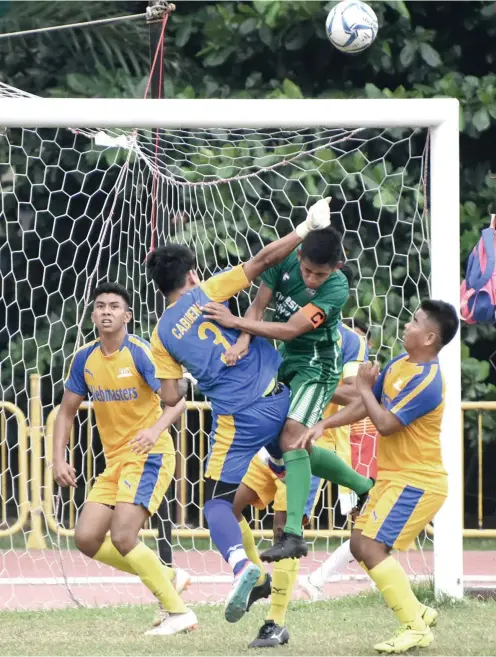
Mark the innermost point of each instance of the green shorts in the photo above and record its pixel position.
(311, 389)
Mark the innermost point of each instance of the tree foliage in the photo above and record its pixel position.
(278, 49)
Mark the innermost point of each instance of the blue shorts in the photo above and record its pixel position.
(235, 439)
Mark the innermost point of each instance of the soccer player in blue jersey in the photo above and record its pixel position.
(249, 404)
(117, 370)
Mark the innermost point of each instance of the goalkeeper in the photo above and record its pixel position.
(309, 291)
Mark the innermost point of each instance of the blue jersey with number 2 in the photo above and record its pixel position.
(184, 338)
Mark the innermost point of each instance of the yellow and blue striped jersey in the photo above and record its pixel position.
(123, 387)
(182, 338)
(414, 393)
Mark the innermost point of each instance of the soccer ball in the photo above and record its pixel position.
(351, 26)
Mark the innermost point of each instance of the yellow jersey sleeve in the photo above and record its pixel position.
(75, 381)
(422, 394)
(351, 369)
(165, 366)
(225, 285)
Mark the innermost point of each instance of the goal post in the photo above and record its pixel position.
(445, 284)
(440, 116)
(228, 113)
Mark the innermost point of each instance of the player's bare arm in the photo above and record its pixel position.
(318, 217)
(359, 408)
(63, 473)
(345, 393)
(143, 442)
(173, 391)
(297, 325)
(255, 312)
(351, 413)
(384, 421)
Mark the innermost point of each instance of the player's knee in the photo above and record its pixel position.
(87, 541)
(290, 434)
(370, 552)
(237, 509)
(123, 538)
(244, 497)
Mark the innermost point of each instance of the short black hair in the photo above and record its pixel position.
(323, 247)
(445, 316)
(168, 266)
(112, 288)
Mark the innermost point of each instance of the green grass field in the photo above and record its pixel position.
(348, 626)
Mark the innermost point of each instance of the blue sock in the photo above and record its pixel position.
(226, 533)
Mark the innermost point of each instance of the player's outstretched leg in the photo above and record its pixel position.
(322, 463)
(327, 464)
(226, 535)
(313, 585)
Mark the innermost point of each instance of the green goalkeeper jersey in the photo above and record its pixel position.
(322, 306)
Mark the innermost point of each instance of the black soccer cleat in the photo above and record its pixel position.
(259, 592)
(288, 546)
(357, 509)
(270, 635)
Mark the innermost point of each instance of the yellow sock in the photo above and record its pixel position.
(393, 583)
(152, 573)
(251, 549)
(283, 581)
(110, 556)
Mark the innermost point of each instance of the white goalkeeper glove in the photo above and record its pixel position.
(318, 217)
(189, 377)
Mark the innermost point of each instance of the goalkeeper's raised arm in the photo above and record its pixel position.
(172, 266)
(318, 217)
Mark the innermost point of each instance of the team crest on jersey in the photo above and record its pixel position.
(399, 385)
(124, 372)
(286, 276)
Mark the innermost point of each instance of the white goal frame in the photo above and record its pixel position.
(440, 115)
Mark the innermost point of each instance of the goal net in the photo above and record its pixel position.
(79, 206)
